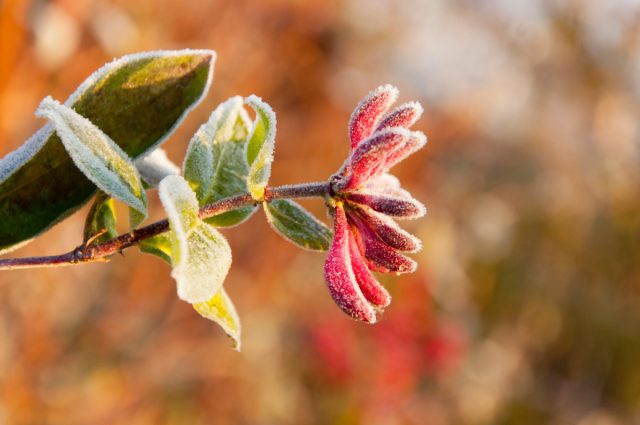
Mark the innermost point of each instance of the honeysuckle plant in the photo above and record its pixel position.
(103, 144)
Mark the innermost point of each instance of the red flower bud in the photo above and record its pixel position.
(340, 276)
(386, 229)
(403, 116)
(369, 111)
(394, 206)
(370, 287)
(380, 256)
(379, 153)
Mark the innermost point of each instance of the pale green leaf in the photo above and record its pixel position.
(100, 159)
(100, 224)
(297, 225)
(200, 255)
(221, 310)
(159, 245)
(260, 147)
(215, 164)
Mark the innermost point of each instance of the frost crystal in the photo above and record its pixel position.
(156, 166)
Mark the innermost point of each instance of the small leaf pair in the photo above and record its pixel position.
(199, 255)
(230, 155)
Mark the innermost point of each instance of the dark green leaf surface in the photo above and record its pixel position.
(297, 225)
(137, 101)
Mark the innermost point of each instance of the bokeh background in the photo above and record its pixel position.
(526, 305)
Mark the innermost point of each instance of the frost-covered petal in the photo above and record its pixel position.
(403, 116)
(385, 228)
(381, 257)
(372, 290)
(367, 114)
(200, 255)
(395, 206)
(340, 276)
(379, 153)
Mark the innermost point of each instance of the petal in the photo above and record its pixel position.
(340, 276)
(369, 111)
(373, 291)
(396, 206)
(380, 152)
(381, 257)
(386, 229)
(403, 116)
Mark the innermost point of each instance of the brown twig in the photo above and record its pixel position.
(101, 252)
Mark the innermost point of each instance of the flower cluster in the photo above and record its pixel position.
(365, 199)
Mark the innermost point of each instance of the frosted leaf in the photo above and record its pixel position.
(101, 220)
(159, 245)
(340, 277)
(297, 225)
(137, 100)
(96, 155)
(156, 166)
(221, 310)
(367, 114)
(215, 165)
(260, 147)
(200, 255)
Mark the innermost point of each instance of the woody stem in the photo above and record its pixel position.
(100, 252)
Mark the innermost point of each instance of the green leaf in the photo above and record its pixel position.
(100, 224)
(137, 101)
(260, 147)
(215, 164)
(298, 225)
(97, 156)
(200, 255)
(221, 310)
(159, 245)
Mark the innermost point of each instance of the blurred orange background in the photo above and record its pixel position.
(526, 305)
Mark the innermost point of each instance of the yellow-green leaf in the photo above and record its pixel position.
(221, 310)
(260, 147)
(159, 245)
(100, 224)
